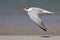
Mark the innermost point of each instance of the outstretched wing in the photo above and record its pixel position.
(42, 26)
(38, 21)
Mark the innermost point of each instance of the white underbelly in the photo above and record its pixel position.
(35, 18)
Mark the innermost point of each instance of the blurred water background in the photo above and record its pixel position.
(10, 13)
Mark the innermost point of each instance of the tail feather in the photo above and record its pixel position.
(48, 12)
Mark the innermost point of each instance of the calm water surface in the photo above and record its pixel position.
(23, 20)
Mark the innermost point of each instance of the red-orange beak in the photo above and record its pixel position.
(23, 9)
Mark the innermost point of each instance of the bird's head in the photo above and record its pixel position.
(26, 9)
(23, 9)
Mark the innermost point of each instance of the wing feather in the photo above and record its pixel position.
(39, 22)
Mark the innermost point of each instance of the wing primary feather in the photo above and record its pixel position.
(45, 29)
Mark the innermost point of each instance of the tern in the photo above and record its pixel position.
(33, 13)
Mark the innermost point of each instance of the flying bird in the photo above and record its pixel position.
(33, 13)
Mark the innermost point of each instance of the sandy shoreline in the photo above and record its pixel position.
(26, 30)
(29, 38)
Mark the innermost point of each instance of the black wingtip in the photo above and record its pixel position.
(43, 29)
